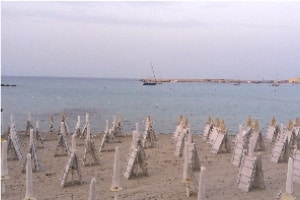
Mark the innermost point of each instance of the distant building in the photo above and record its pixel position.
(294, 80)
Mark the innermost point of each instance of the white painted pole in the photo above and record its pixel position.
(148, 123)
(12, 124)
(88, 134)
(116, 197)
(31, 137)
(87, 118)
(137, 133)
(137, 127)
(186, 163)
(62, 128)
(134, 139)
(4, 168)
(289, 179)
(201, 187)
(92, 192)
(12, 132)
(28, 194)
(78, 122)
(116, 171)
(106, 126)
(281, 132)
(73, 143)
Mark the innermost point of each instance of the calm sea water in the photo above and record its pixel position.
(103, 98)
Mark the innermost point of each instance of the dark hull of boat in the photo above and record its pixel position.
(149, 83)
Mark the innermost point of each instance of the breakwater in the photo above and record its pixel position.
(171, 80)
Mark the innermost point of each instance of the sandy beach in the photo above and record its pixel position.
(116, 69)
(163, 182)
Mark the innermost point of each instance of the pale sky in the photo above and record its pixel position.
(197, 39)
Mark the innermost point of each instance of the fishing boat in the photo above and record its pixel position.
(150, 81)
(275, 83)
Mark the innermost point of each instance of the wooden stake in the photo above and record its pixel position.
(92, 192)
(33, 152)
(4, 168)
(28, 194)
(90, 150)
(201, 189)
(136, 161)
(289, 179)
(116, 172)
(72, 166)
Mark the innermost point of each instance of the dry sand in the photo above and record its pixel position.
(164, 180)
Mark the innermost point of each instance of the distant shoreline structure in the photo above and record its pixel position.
(233, 81)
(8, 85)
(162, 80)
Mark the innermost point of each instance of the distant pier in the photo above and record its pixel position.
(171, 80)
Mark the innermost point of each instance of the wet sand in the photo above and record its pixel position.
(163, 182)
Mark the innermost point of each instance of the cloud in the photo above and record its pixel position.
(108, 13)
(160, 14)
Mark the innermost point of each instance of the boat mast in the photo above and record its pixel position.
(153, 72)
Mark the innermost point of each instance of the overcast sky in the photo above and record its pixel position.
(241, 40)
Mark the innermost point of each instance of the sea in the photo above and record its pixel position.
(104, 98)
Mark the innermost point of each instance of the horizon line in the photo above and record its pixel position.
(90, 77)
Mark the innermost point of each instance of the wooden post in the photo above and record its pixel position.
(116, 172)
(186, 169)
(29, 125)
(201, 189)
(186, 174)
(106, 126)
(62, 147)
(179, 128)
(33, 152)
(78, 122)
(77, 127)
(4, 168)
(72, 166)
(37, 134)
(289, 178)
(296, 164)
(84, 130)
(90, 149)
(73, 148)
(92, 192)
(28, 194)
(13, 142)
(51, 124)
(136, 160)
